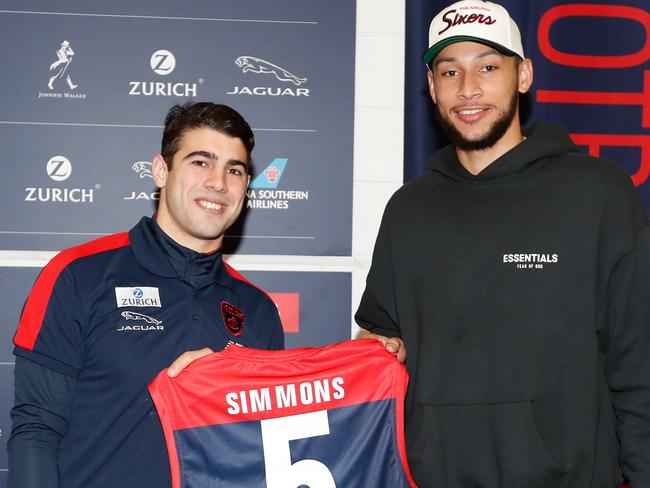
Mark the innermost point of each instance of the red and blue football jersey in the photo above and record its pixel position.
(322, 417)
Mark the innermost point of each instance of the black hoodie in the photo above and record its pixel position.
(523, 297)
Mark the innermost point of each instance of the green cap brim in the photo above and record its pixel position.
(434, 50)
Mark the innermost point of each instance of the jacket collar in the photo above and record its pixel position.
(160, 255)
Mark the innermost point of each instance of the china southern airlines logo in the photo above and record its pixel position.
(257, 65)
(143, 168)
(263, 191)
(270, 177)
(59, 68)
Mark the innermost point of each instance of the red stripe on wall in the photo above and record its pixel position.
(39, 298)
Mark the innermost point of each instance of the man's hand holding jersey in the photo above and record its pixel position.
(393, 345)
(185, 359)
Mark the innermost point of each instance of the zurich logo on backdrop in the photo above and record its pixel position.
(61, 75)
(59, 168)
(143, 170)
(263, 191)
(259, 66)
(163, 63)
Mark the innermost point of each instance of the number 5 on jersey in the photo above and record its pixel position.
(276, 434)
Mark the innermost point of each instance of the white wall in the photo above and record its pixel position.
(378, 126)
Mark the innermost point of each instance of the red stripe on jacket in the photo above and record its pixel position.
(39, 298)
(238, 276)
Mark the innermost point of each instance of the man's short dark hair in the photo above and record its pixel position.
(197, 115)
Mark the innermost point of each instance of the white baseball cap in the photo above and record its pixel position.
(474, 20)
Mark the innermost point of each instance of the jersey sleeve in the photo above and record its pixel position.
(377, 310)
(49, 331)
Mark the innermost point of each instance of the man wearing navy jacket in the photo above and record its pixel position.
(105, 317)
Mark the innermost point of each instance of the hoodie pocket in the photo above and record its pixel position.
(487, 446)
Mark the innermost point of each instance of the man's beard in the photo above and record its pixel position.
(494, 133)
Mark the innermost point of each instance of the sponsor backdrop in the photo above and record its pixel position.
(83, 95)
(592, 74)
(85, 91)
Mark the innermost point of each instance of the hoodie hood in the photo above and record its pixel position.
(542, 141)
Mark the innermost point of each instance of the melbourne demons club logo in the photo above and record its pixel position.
(233, 318)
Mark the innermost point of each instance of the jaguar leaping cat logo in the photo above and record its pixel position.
(257, 65)
(143, 168)
(139, 316)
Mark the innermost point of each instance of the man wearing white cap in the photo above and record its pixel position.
(516, 273)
